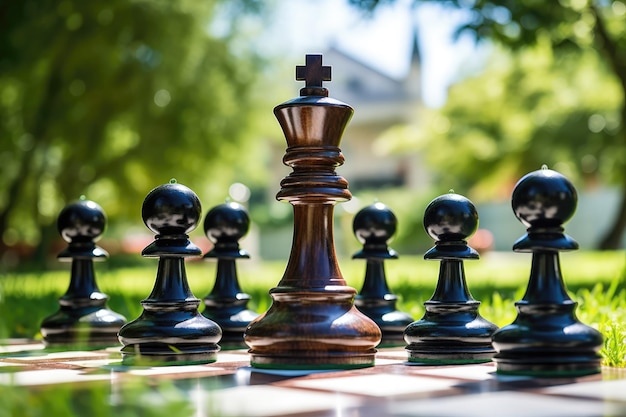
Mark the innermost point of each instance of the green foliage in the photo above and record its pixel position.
(112, 98)
(524, 110)
(569, 24)
(562, 120)
(134, 398)
(602, 307)
(614, 349)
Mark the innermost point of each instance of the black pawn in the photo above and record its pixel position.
(170, 329)
(83, 318)
(546, 338)
(225, 225)
(374, 226)
(451, 331)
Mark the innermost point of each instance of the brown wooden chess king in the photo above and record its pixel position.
(312, 322)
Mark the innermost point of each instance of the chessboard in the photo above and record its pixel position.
(393, 387)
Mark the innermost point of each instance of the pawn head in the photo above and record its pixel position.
(81, 221)
(226, 222)
(450, 218)
(171, 209)
(544, 199)
(374, 224)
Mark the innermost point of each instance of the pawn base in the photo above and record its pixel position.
(155, 354)
(450, 333)
(392, 325)
(392, 337)
(233, 320)
(448, 354)
(558, 365)
(82, 328)
(80, 338)
(546, 339)
(171, 333)
(232, 339)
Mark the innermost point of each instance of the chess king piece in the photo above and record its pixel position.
(546, 338)
(312, 322)
(374, 226)
(226, 305)
(451, 331)
(170, 329)
(83, 318)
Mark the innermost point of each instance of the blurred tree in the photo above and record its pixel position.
(111, 98)
(524, 110)
(584, 27)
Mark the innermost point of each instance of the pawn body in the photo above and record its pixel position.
(452, 331)
(83, 319)
(170, 330)
(227, 304)
(546, 338)
(374, 226)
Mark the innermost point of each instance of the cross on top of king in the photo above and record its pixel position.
(313, 73)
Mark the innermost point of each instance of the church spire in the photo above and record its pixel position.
(413, 80)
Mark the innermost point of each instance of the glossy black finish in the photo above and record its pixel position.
(83, 320)
(170, 330)
(225, 225)
(546, 338)
(452, 330)
(374, 226)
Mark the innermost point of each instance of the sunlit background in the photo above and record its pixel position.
(111, 99)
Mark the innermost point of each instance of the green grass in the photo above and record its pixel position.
(159, 399)
(594, 279)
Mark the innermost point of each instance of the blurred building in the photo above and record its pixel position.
(380, 102)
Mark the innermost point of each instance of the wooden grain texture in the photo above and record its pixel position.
(312, 321)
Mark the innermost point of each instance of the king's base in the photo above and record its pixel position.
(449, 355)
(156, 354)
(559, 365)
(302, 360)
(312, 329)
